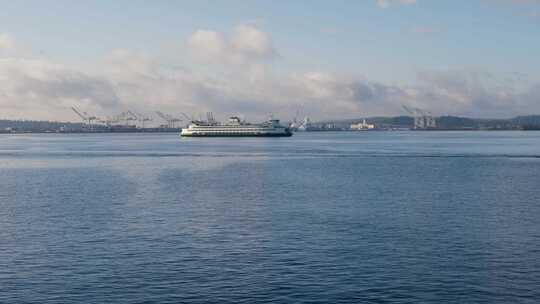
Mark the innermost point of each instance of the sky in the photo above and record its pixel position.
(322, 59)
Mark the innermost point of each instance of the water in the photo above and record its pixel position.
(381, 217)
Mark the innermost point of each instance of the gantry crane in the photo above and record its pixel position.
(171, 121)
(422, 119)
(88, 119)
(141, 118)
(126, 117)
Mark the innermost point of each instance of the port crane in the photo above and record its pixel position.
(141, 118)
(126, 117)
(109, 121)
(422, 119)
(189, 118)
(171, 121)
(88, 119)
(299, 124)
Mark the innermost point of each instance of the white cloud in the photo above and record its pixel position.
(477, 93)
(246, 44)
(252, 42)
(208, 45)
(383, 3)
(32, 87)
(6, 42)
(241, 80)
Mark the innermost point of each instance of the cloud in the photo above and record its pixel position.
(444, 92)
(34, 86)
(246, 44)
(477, 93)
(208, 45)
(6, 42)
(388, 3)
(10, 47)
(252, 42)
(383, 3)
(240, 78)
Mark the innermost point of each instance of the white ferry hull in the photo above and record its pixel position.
(187, 133)
(235, 128)
(238, 135)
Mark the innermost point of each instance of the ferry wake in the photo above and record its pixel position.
(235, 127)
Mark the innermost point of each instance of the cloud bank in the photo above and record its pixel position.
(235, 73)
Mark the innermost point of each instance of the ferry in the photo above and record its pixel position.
(235, 127)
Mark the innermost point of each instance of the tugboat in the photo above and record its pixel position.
(235, 127)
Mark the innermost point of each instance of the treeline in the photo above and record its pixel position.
(529, 122)
(516, 123)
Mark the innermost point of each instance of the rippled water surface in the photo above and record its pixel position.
(381, 217)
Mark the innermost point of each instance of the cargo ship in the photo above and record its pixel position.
(235, 127)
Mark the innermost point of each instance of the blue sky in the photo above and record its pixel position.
(378, 46)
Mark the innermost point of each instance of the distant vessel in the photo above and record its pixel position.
(235, 127)
(363, 126)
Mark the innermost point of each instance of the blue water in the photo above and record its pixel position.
(369, 217)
